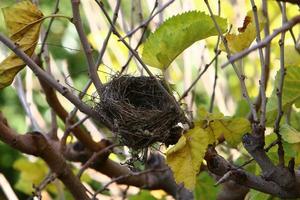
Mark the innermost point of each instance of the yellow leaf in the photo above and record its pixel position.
(247, 33)
(23, 21)
(187, 155)
(217, 125)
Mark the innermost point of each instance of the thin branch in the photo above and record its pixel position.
(56, 10)
(279, 89)
(131, 174)
(212, 99)
(199, 76)
(52, 82)
(285, 27)
(45, 182)
(140, 40)
(93, 158)
(262, 81)
(240, 77)
(92, 68)
(147, 21)
(22, 97)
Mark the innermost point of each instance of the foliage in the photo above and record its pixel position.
(247, 33)
(176, 34)
(187, 155)
(24, 30)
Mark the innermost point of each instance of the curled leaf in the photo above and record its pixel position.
(23, 21)
(246, 35)
(176, 34)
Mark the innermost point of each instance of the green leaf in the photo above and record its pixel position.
(176, 34)
(290, 93)
(289, 134)
(187, 155)
(23, 21)
(256, 195)
(31, 173)
(205, 188)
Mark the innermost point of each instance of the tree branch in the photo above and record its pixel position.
(86, 46)
(49, 80)
(35, 143)
(285, 27)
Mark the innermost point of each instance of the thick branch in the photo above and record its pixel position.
(219, 166)
(37, 144)
(153, 180)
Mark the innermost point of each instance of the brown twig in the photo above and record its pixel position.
(93, 158)
(92, 68)
(127, 176)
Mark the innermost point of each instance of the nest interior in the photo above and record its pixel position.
(140, 111)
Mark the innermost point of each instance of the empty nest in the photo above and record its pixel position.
(141, 112)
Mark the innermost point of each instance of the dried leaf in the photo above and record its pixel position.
(23, 21)
(247, 34)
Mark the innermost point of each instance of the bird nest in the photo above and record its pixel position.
(141, 112)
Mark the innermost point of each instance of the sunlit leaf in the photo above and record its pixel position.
(23, 21)
(231, 128)
(289, 134)
(176, 34)
(185, 160)
(290, 93)
(246, 35)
